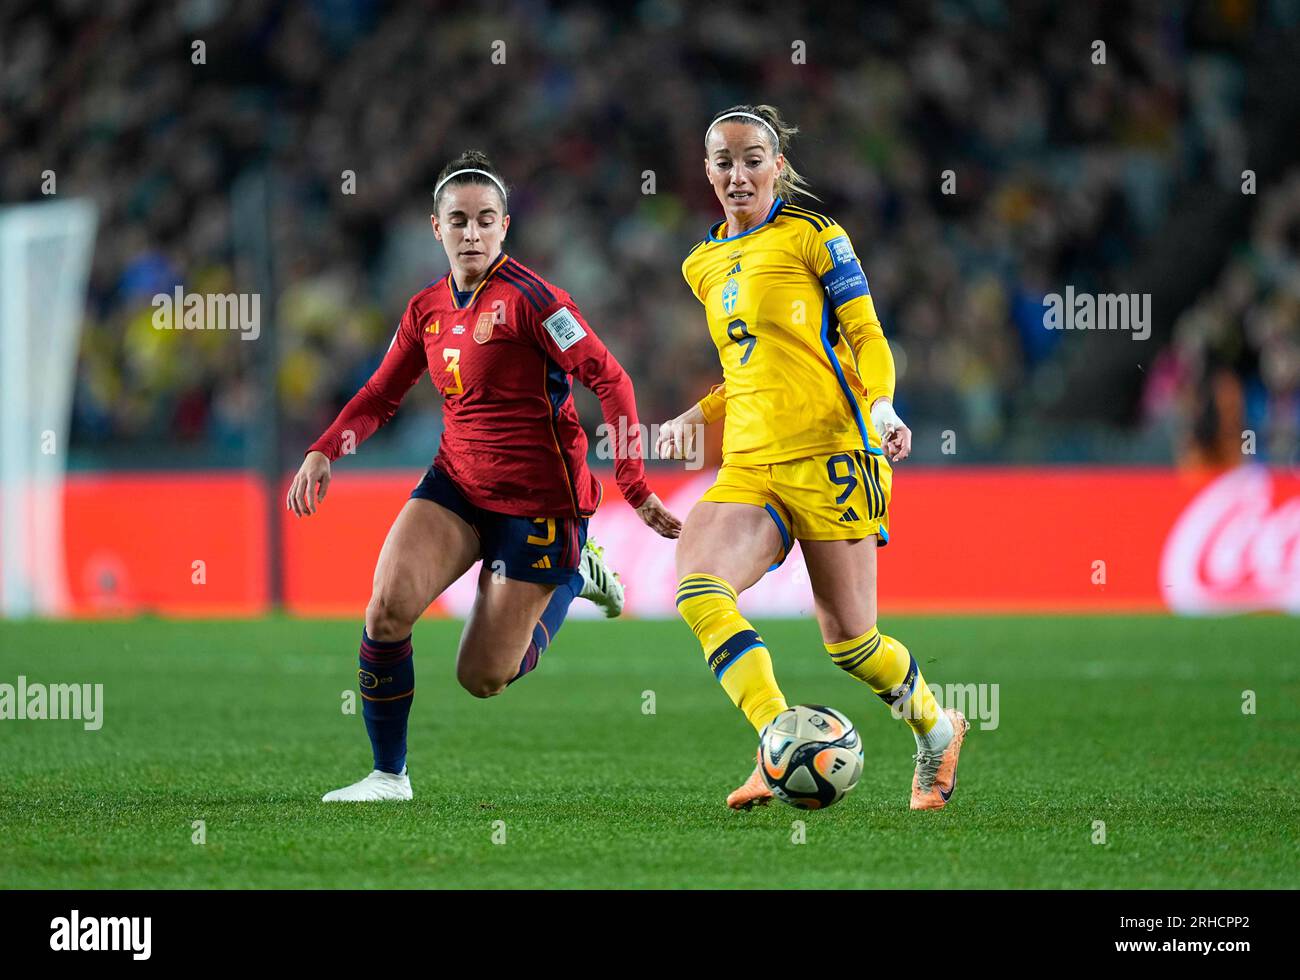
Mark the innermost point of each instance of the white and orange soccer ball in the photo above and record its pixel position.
(810, 756)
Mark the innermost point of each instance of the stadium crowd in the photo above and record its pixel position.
(1228, 387)
(1059, 164)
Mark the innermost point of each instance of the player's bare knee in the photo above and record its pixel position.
(739, 572)
(694, 557)
(837, 630)
(388, 618)
(714, 569)
(480, 684)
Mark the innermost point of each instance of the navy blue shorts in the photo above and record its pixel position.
(530, 549)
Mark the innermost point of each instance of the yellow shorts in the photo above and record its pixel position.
(832, 497)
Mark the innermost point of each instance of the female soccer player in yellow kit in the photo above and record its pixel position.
(810, 432)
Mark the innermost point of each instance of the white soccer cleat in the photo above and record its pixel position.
(377, 786)
(599, 584)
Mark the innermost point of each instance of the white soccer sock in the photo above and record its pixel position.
(938, 737)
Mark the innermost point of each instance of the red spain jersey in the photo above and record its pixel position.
(504, 362)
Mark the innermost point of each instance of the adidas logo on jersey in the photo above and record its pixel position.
(735, 270)
(849, 515)
(543, 562)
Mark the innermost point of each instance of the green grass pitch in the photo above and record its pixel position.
(1134, 721)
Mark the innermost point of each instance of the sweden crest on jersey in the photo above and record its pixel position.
(730, 293)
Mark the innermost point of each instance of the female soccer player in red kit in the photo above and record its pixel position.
(510, 483)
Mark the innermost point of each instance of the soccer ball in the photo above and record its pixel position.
(810, 756)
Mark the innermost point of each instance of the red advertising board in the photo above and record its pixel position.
(184, 544)
(963, 540)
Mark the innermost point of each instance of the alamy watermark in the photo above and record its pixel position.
(125, 933)
(1098, 311)
(978, 702)
(640, 441)
(180, 310)
(53, 702)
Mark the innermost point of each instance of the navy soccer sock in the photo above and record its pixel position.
(387, 677)
(546, 628)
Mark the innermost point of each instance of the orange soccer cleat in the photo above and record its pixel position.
(936, 772)
(753, 792)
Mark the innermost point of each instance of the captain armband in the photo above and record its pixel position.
(845, 279)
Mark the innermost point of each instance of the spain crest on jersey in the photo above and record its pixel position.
(483, 329)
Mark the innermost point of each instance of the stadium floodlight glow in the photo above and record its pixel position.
(45, 252)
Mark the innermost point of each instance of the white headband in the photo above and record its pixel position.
(457, 173)
(747, 115)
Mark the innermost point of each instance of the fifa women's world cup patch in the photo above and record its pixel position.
(841, 250)
(564, 328)
(483, 329)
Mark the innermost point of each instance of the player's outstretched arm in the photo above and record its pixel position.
(367, 410)
(614, 389)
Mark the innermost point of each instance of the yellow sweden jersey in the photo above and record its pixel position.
(802, 351)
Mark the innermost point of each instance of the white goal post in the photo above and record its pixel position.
(45, 253)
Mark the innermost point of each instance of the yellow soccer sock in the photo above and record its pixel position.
(735, 653)
(884, 665)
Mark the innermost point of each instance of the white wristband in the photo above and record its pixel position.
(884, 418)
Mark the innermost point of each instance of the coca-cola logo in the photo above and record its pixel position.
(1234, 549)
